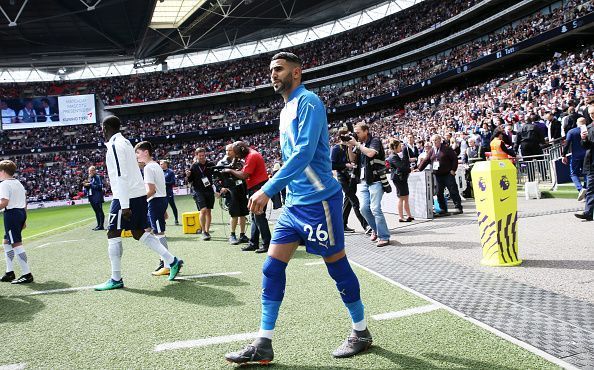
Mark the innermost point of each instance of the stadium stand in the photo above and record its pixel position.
(353, 91)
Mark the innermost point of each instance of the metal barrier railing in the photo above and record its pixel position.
(554, 151)
(531, 168)
(534, 168)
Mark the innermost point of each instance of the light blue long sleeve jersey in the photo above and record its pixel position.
(305, 149)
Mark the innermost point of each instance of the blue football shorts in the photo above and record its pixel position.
(318, 226)
(138, 220)
(156, 214)
(14, 220)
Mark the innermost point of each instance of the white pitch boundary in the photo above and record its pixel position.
(59, 228)
(13, 366)
(404, 313)
(204, 342)
(57, 242)
(191, 277)
(526, 346)
(314, 263)
(52, 291)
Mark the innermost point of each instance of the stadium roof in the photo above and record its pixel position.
(69, 39)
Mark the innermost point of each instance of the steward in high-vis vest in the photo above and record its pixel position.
(499, 150)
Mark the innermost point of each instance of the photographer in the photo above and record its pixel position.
(235, 193)
(255, 175)
(347, 175)
(368, 152)
(200, 176)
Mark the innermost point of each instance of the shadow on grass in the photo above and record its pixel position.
(19, 309)
(48, 285)
(188, 292)
(218, 281)
(409, 362)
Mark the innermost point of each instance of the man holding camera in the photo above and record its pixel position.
(255, 175)
(368, 152)
(200, 176)
(346, 173)
(234, 191)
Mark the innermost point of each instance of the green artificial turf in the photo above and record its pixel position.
(120, 329)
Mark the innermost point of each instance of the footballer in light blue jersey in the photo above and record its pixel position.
(312, 215)
(305, 148)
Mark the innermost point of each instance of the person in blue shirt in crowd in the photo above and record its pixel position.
(94, 191)
(169, 183)
(312, 214)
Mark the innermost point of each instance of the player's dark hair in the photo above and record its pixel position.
(8, 166)
(46, 100)
(112, 122)
(290, 57)
(144, 145)
(241, 148)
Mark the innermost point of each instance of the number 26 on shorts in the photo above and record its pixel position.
(321, 235)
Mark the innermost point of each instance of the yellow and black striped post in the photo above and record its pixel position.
(496, 197)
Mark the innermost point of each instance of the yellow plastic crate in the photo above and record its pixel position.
(191, 222)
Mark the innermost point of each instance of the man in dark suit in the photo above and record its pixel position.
(529, 139)
(444, 164)
(47, 113)
(94, 190)
(588, 144)
(554, 127)
(346, 173)
(411, 150)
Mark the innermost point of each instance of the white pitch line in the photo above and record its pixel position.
(58, 228)
(52, 291)
(499, 333)
(204, 342)
(57, 242)
(315, 263)
(190, 277)
(13, 367)
(404, 313)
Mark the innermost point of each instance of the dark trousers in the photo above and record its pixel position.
(589, 208)
(447, 181)
(171, 201)
(351, 202)
(98, 208)
(259, 223)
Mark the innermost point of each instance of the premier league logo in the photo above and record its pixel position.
(482, 184)
(504, 183)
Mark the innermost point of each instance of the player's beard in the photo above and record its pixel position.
(282, 85)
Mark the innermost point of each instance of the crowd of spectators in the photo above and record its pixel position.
(426, 68)
(249, 72)
(558, 87)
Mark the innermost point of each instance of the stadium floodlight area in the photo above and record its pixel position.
(101, 70)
